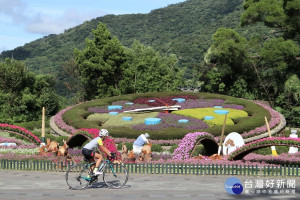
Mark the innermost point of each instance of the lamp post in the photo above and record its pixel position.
(43, 127)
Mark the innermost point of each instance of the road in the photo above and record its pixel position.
(29, 185)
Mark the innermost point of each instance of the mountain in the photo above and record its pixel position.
(184, 29)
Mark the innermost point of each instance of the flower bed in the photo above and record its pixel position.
(77, 116)
(10, 140)
(161, 101)
(171, 120)
(200, 113)
(187, 144)
(20, 130)
(239, 153)
(58, 119)
(274, 121)
(281, 159)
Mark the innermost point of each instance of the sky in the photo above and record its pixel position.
(23, 21)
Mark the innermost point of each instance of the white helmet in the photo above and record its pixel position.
(103, 132)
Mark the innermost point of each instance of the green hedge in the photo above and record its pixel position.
(76, 116)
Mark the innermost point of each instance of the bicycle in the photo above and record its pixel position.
(115, 175)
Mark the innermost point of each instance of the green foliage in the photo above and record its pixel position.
(129, 146)
(182, 29)
(108, 121)
(199, 149)
(173, 147)
(156, 148)
(283, 14)
(101, 64)
(33, 125)
(151, 72)
(23, 94)
(268, 151)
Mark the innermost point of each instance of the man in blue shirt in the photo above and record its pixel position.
(139, 143)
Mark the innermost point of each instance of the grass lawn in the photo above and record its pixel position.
(108, 120)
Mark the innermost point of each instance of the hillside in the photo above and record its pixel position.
(184, 29)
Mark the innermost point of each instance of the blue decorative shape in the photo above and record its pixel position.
(152, 121)
(151, 100)
(114, 107)
(127, 118)
(221, 112)
(113, 113)
(179, 100)
(209, 117)
(129, 103)
(183, 121)
(218, 106)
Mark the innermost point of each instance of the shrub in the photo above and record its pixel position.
(33, 124)
(173, 147)
(156, 148)
(127, 144)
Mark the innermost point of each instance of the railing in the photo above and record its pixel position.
(148, 168)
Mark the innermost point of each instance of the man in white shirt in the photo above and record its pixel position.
(140, 142)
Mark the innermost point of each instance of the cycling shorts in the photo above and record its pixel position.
(88, 153)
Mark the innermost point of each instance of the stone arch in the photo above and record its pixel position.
(77, 140)
(210, 146)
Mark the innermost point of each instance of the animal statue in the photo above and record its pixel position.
(63, 150)
(42, 150)
(52, 146)
(215, 157)
(147, 148)
(124, 154)
(131, 156)
(198, 157)
(146, 154)
(147, 157)
(229, 144)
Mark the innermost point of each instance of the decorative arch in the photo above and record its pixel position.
(191, 140)
(259, 144)
(77, 140)
(210, 146)
(24, 136)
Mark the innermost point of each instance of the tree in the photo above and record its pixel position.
(23, 94)
(152, 72)
(225, 60)
(101, 64)
(282, 14)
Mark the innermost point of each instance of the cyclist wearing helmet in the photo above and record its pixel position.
(90, 154)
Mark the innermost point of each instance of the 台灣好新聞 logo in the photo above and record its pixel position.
(233, 186)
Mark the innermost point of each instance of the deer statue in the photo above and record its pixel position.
(42, 150)
(131, 156)
(63, 150)
(124, 155)
(146, 153)
(52, 146)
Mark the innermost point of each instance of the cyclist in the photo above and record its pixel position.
(90, 154)
(139, 143)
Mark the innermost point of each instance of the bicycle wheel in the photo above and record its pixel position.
(115, 175)
(78, 177)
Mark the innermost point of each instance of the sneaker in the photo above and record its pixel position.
(97, 173)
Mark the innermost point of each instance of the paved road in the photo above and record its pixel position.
(51, 185)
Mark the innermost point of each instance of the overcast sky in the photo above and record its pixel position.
(22, 21)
